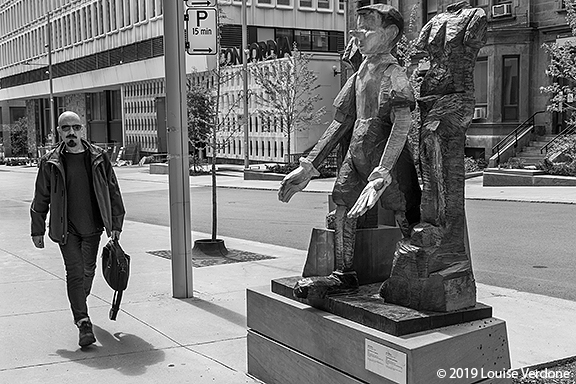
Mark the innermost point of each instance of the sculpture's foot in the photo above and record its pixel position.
(318, 287)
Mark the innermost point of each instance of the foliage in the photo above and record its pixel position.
(513, 163)
(289, 93)
(562, 69)
(562, 169)
(200, 114)
(474, 165)
(19, 137)
(285, 169)
(406, 53)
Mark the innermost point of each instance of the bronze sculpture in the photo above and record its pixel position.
(431, 268)
(374, 105)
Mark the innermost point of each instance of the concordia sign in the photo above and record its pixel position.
(260, 51)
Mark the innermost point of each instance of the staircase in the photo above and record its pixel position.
(531, 152)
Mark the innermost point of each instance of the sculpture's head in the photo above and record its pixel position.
(379, 28)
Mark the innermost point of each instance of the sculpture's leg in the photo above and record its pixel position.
(403, 224)
(344, 238)
(343, 279)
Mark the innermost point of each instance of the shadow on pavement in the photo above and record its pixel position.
(123, 352)
(217, 310)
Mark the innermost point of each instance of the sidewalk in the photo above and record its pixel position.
(157, 338)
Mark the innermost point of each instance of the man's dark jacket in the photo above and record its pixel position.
(50, 194)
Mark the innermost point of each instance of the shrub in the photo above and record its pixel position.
(474, 165)
(561, 169)
(285, 169)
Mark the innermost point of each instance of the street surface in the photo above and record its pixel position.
(517, 245)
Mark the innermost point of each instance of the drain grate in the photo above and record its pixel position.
(234, 256)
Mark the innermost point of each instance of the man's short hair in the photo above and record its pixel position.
(388, 15)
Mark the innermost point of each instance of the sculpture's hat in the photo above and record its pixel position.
(390, 15)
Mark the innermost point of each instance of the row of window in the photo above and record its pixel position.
(256, 148)
(83, 24)
(302, 4)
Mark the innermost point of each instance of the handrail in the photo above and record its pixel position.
(514, 133)
(567, 131)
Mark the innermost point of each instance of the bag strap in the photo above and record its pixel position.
(115, 305)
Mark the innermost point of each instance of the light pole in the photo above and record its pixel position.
(245, 81)
(49, 46)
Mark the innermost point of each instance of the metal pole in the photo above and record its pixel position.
(52, 115)
(245, 81)
(178, 165)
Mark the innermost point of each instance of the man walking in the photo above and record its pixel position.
(77, 185)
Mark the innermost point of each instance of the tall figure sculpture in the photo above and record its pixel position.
(374, 106)
(432, 269)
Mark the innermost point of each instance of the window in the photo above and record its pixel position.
(510, 88)
(430, 9)
(305, 3)
(341, 5)
(267, 2)
(303, 40)
(287, 33)
(285, 3)
(319, 41)
(323, 4)
(480, 3)
(481, 82)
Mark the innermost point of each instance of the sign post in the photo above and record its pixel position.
(178, 164)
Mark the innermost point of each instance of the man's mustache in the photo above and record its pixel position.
(71, 137)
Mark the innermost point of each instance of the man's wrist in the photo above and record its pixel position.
(308, 167)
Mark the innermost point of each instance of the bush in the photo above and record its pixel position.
(560, 169)
(285, 169)
(474, 165)
(514, 163)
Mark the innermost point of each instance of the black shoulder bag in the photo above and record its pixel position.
(116, 270)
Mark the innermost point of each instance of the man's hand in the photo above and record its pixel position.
(294, 182)
(38, 241)
(378, 180)
(115, 235)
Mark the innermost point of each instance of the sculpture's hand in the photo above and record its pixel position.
(378, 180)
(38, 241)
(296, 180)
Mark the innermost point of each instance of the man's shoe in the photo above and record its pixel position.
(86, 334)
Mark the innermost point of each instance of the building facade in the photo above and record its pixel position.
(107, 64)
(107, 60)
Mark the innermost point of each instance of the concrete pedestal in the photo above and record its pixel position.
(292, 342)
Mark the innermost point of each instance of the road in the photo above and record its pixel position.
(523, 246)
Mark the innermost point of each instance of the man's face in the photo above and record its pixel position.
(70, 129)
(372, 37)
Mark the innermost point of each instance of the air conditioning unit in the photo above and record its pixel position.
(479, 113)
(501, 10)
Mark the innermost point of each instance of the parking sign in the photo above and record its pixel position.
(201, 31)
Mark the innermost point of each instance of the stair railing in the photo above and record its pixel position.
(567, 131)
(518, 131)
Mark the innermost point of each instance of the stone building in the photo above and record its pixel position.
(510, 68)
(108, 60)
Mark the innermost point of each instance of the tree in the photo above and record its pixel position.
(562, 69)
(19, 137)
(200, 116)
(289, 93)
